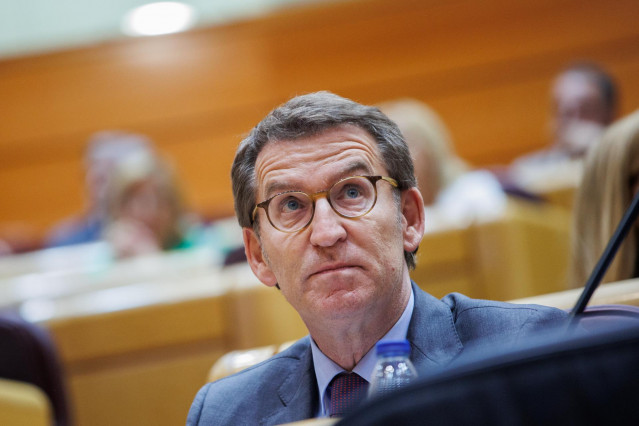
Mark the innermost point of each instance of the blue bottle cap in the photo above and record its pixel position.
(392, 348)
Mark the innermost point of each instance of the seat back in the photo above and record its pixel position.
(236, 361)
(599, 317)
(28, 355)
(527, 245)
(556, 379)
(23, 404)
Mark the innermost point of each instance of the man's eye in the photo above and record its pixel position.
(292, 205)
(352, 192)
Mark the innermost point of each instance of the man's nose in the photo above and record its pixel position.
(326, 227)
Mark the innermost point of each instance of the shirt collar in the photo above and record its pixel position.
(326, 368)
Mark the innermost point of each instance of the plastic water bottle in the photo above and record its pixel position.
(393, 369)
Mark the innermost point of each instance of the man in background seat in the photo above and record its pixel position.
(584, 102)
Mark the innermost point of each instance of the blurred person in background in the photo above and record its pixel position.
(146, 211)
(104, 151)
(436, 162)
(453, 193)
(584, 102)
(609, 182)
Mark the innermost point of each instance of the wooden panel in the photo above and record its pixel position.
(445, 264)
(128, 331)
(262, 316)
(143, 365)
(485, 66)
(148, 391)
(621, 292)
(525, 253)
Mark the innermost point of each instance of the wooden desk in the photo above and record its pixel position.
(56, 273)
(524, 253)
(136, 354)
(140, 362)
(521, 253)
(622, 293)
(79, 257)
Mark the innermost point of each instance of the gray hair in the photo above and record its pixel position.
(309, 115)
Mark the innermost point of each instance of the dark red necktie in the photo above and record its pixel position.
(347, 390)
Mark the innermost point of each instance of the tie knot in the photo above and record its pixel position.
(347, 390)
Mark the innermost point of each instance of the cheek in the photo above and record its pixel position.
(277, 255)
(393, 253)
(387, 243)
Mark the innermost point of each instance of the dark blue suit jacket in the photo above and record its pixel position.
(284, 389)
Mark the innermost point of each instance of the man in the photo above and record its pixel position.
(584, 103)
(327, 199)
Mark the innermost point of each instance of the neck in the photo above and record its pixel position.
(347, 341)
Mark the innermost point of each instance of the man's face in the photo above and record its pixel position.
(336, 267)
(579, 112)
(577, 97)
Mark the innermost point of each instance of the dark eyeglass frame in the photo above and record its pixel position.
(313, 197)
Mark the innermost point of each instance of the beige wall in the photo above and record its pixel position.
(485, 66)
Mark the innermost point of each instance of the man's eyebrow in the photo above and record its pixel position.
(276, 188)
(359, 167)
(356, 167)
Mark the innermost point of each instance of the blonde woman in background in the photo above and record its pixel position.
(609, 182)
(146, 210)
(453, 194)
(436, 163)
(105, 150)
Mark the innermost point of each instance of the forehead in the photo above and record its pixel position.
(316, 162)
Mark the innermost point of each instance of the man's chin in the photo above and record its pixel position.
(343, 303)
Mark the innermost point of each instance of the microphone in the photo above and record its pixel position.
(606, 258)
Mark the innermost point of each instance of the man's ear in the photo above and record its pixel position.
(413, 220)
(255, 258)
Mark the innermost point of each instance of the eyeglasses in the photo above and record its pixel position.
(352, 197)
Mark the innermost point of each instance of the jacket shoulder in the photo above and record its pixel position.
(489, 321)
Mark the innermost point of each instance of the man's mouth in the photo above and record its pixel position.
(327, 269)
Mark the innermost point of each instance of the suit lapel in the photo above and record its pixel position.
(298, 395)
(432, 332)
